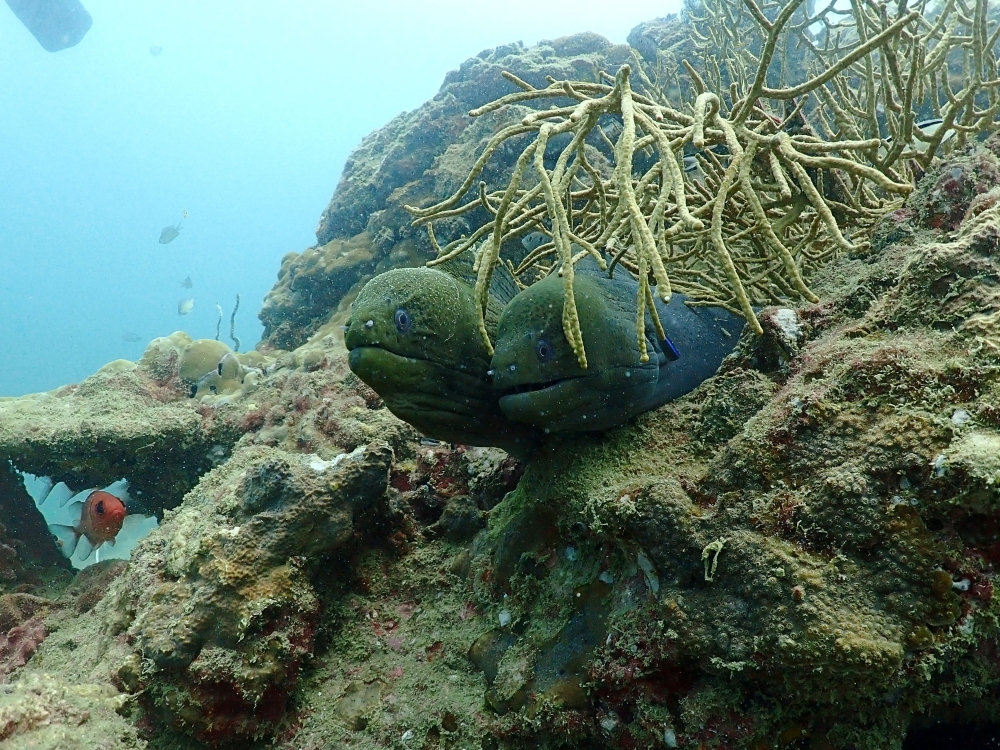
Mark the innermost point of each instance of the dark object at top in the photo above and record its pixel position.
(56, 24)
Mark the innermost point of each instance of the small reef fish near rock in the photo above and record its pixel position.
(185, 306)
(413, 337)
(534, 240)
(88, 524)
(187, 283)
(539, 381)
(131, 337)
(927, 128)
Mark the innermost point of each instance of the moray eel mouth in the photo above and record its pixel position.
(428, 394)
(581, 402)
(360, 355)
(521, 388)
(440, 401)
(567, 403)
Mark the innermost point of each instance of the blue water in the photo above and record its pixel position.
(244, 120)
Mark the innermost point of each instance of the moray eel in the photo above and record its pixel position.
(413, 337)
(540, 383)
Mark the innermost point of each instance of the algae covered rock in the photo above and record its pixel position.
(219, 601)
(310, 285)
(45, 713)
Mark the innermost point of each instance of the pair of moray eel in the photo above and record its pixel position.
(413, 338)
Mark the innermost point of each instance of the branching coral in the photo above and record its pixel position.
(734, 198)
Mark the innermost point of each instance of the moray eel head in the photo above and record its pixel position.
(537, 375)
(418, 313)
(413, 338)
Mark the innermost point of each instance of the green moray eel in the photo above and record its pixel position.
(413, 337)
(540, 383)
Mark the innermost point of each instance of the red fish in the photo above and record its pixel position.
(88, 520)
(102, 517)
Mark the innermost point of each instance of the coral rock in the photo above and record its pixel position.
(220, 599)
(18, 646)
(46, 713)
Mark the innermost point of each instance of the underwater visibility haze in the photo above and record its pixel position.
(241, 114)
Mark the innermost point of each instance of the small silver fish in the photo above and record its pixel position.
(185, 306)
(928, 128)
(187, 283)
(155, 50)
(131, 337)
(169, 233)
(535, 239)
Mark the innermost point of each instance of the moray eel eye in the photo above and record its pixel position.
(544, 350)
(402, 320)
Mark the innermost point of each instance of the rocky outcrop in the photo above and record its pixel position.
(418, 158)
(219, 601)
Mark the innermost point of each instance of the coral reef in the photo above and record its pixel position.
(417, 155)
(802, 550)
(800, 553)
(768, 190)
(826, 572)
